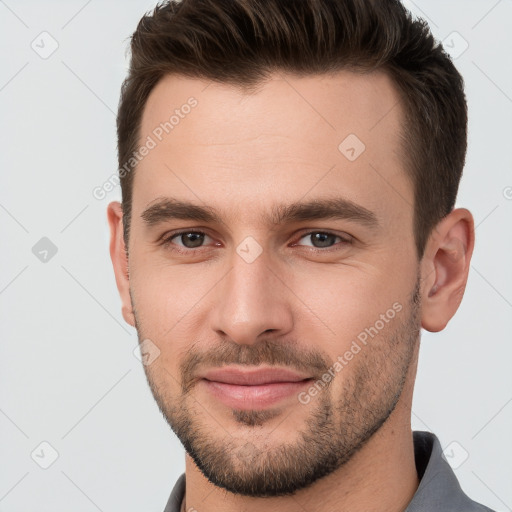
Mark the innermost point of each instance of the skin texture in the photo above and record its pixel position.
(350, 447)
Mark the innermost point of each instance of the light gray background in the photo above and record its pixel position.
(68, 375)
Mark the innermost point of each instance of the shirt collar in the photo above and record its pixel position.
(439, 488)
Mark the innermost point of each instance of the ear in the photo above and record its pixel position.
(119, 259)
(445, 268)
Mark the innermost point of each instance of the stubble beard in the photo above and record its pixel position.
(249, 463)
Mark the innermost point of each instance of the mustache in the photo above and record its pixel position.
(268, 352)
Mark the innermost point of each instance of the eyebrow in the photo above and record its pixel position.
(168, 208)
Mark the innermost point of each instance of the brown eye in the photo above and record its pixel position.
(186, 240)
(192, 240)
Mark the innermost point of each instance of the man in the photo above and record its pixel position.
(289, 171)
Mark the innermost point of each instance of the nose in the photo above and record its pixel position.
(252, 300)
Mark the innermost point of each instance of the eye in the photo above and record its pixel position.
(324, 239)
(188, 239)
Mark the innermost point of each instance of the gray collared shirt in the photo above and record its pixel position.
(439, 489)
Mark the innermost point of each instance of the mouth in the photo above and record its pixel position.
(256, 389)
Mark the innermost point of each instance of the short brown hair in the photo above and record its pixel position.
(241, 42)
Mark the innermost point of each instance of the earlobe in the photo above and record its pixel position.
(119, 259)
(445, 268)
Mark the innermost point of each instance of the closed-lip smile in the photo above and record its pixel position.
(255, 388)
(253, 377)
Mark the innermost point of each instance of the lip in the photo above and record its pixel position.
(259, 376)
(256, 389)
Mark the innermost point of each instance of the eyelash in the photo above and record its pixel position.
(167, 241)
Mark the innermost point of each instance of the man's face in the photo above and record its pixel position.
(265, 285)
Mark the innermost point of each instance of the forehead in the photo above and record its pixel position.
(293, 136)
(341, 101)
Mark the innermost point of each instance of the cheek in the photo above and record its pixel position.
(172, 306)
(164, 293)
(348, 295)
